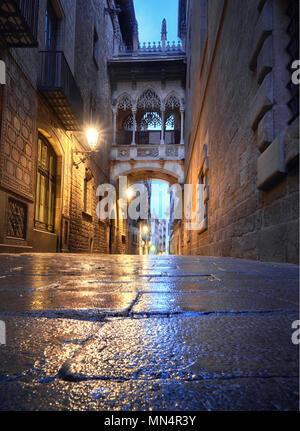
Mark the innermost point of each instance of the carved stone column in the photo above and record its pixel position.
(115, 110)
(182, 110)
(134, 125)
(162, 139)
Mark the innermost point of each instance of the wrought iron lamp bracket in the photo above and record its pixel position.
(85, 154)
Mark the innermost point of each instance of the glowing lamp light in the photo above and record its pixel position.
(92, 138)
(145, 229)
(129, 193)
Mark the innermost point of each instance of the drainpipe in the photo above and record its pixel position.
(162, 141)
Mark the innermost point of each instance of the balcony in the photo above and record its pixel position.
(57, 84)
(124, 137)
(153, 137)
(19, 22)
(147, 152)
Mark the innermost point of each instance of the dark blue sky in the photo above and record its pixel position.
(150, 13)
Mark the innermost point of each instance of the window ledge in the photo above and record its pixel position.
(45, 231)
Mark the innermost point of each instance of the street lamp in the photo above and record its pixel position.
(146, 229)
(129, 193)
(92, 136)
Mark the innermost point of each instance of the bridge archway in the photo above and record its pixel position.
(171, 172)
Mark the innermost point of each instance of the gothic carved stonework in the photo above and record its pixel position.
(149, 100)
(17, 217)
(123, 152)
(172, 102)
(171, 152)
(125, 102)
(144, 152)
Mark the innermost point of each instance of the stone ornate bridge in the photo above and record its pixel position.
(148, 105)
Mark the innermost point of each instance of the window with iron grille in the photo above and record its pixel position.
(293, 50)
(46, 186)
(17, 219)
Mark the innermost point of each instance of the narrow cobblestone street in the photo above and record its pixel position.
(147, 333)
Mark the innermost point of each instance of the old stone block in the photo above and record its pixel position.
(23, 161)
(265, 131)
(243, 176)
(265, 59)
(292, 244)
(271, 243)
(25, 132)
(281, 115)
(17, 123)
(15, 155)
(290, 208)
(271, 164)
(26, 179)
(10, 167)
(28, 150)
(262, 102)
(271, 125)
(20, 143)
(11, 134)
(262, 30)
(272, 214)
(19, 173)
(291, 142)
(6, 148)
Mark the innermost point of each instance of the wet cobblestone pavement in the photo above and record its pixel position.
(147, 333)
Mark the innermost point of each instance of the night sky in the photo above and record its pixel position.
(150, 13)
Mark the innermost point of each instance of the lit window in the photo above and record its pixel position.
(46, 186)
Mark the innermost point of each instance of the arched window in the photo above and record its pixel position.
(45, 186)
(128, 123)
(149, 100)
(173, 102)
(170, 122)
(124, 103)
(172, 113)
(151, 121)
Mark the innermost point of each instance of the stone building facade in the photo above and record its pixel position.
(242, 136)
(225, 92)
(56, 87)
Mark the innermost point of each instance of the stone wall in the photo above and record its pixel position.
(239, 139)
(25, 113)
